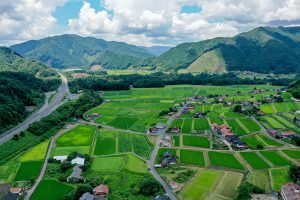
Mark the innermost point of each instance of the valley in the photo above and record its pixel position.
(129, 134)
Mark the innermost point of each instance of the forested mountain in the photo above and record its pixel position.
(157, 50)
(22, 83)
(75, 51)
(263, 49)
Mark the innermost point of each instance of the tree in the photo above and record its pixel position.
(15, 137)
(237, 108)
(149, 187)
(294, 173)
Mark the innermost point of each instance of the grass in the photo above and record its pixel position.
(196, 141)
(107, 163)
(201, 124)
(192, 157)
(60, 151)
(28, 170)
(81, 135)
(58, 190)
(235, 127)
(201, 184)
(187, 126)
(275, 158)
(226, 160)
(36, 153)
(279, 176)
(252, 141)
(254, 160)
(269, 141)
(134, 164)
(176, 139)
(106, 143)
(260, 178)
(250, 124)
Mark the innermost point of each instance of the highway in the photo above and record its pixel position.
(45, 110)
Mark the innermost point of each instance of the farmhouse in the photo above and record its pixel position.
(160, 126)
(168, 159)
(190, 106)
(174, 185)
(101, 192)
(153, 130)
(17, 190)
(78, 161)
(60, 158)
(288, 134)
(87, 196)
(234, 140)
(199, 115)
(175, 130)
(290, 191)
(223, 129)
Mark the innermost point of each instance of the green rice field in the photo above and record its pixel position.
(226, 160)
(192, 157)
(196, 141)
(255, 161)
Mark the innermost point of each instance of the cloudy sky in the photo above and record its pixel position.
(141, 22)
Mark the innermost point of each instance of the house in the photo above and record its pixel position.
(234, 140)
(157, 165)
(168, 159)
(153, 130)
(160, 126)
(175, 130)
(274, 134)
(290, 191)
(170, 113)
(223, 129)
(228, 103)
(87, 196)
(199, 115)
(101, 191)
(60, 158)
(166, 143)
(95, 115)
(16, 190)
(76, 175)
(78, 161)
(288, 134)
(190, 106)
(260, 113)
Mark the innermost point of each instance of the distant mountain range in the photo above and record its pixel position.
(76, 51)
(263, 49)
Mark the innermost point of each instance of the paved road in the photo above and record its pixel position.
(45, 110)
(151, 161)
(43, 171)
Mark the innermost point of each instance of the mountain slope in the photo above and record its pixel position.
(75, 51)
(157, 50)
(22, 83)
(263, 49)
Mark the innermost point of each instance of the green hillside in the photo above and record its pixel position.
(262, 50)
(211, 61)
(75, 51)
(22, 83)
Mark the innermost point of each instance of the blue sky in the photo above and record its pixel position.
(141, 22)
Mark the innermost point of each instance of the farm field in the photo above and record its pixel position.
(226, 160)
(236, 128)
(269, 141)
(36, 153)
(254, 160)
(275, 158)
(192, 157)
(176, 140)
(107, 163)
(28, 170)
(279, 176)
(250, 124)
(42, 191)
(252, 141)
(273, 122)
(60, 151)
(201, 184)
(105, 143)
(196, 141)
(295, 154)
(260, 178)
(82, 135)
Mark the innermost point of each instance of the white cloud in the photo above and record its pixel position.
(27, 19)
(147, 22)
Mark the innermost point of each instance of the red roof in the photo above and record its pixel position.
(101, 189)
(288, 133)
(16, 190)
